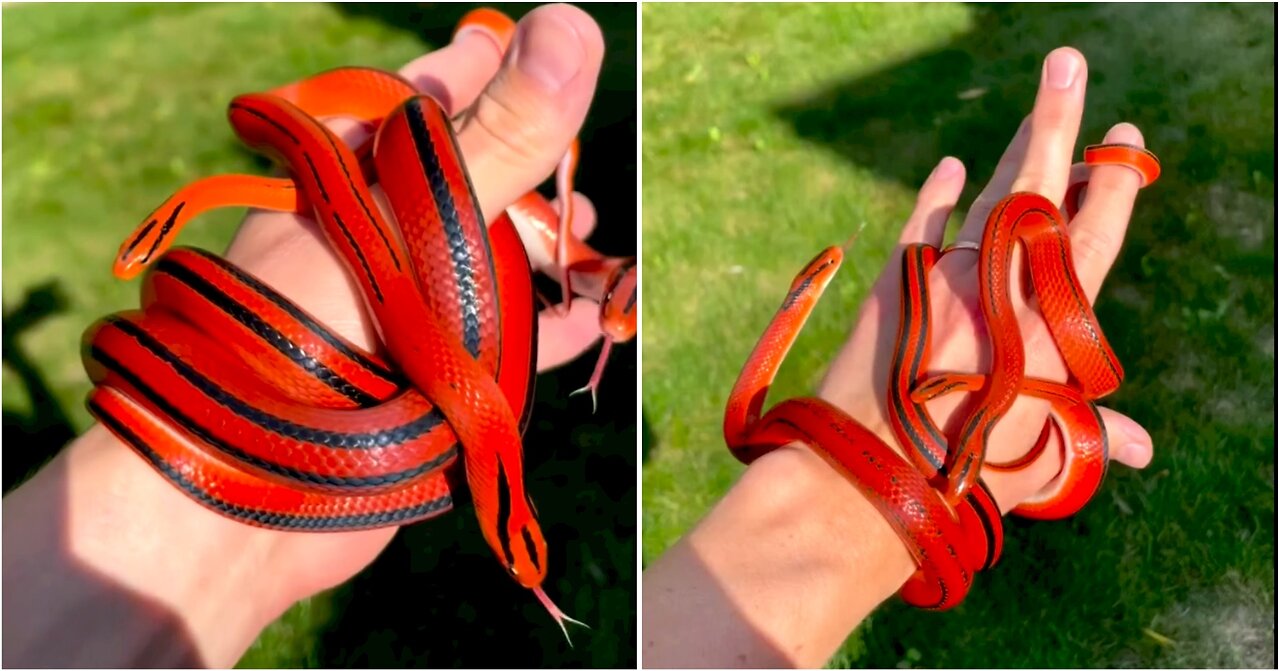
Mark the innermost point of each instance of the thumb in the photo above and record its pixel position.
(523, 122)
(1130, 444)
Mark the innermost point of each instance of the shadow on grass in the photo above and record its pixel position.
(966, 98)
(39, 434)
(436, 597)
(37, 437)
(1212, 208)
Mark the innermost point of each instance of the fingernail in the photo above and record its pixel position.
(947, 167)
(1060, 69)
(477, 31)
(549, 52)
(488, 37)
(1124, 132)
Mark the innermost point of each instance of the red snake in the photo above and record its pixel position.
(934, 498)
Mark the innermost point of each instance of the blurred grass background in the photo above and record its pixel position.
(107, 109)
(771, 131)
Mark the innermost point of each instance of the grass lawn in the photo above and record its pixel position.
(772, 131)
(107, 109)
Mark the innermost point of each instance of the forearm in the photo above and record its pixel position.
(778, 574)
(107, 564)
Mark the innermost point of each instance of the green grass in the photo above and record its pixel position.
(107, 109)
(771, 131)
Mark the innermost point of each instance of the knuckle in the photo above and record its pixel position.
(981, 209)
(983, 204)
(520, 132)
(1052, 118)
(1116, 186)
(1089, 244)
(1031, 179)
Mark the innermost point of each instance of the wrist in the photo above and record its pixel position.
(779, 572)
(836, 529)
(108, 544)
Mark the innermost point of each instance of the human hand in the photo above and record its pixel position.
(1037, 160)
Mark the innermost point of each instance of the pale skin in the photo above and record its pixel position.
(794, 557)
(107, 564)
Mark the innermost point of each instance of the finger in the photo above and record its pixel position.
(1079, 174)
(524, 120)
(584, 215)
(1098, 229)
(539, 237)
(928, 221)
(1129, 443)
(564, 337)
(1055, 123)
(999, 185)
(456, 74)
(936, 200)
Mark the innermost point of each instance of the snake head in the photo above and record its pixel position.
(526, 553)
(813, 280)
(618, 306)
(513, 532)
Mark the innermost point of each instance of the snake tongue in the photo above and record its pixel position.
(594, 383)
(848, 244)
(556, 614)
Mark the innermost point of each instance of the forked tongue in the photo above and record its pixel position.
(557, 614)
(598, 374)
(848, 244)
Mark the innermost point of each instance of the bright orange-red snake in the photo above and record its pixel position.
(934, 498)
(260, 413)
